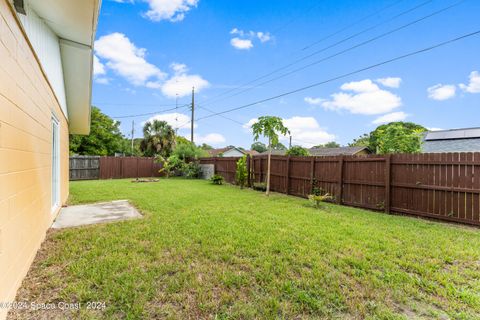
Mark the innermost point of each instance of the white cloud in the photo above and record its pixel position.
(305, 131)
(434, 129)
(244, 39)
(391, 117)
(313, 101)
(390, 82)
(175, 119)
(474, 85)
(98, 67)
(214, 139)
(171, 10)
(365, 98)
(179, 68)
(264, 36)
(125, 59)
(241, 44)
(102, 80)
(441, 92)
(181, 83)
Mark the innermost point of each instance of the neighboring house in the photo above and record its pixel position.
(340, 151)
(454, 140)
(230, 152)
(46, 59)
(322, 152)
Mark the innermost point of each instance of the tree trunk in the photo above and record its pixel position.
(268, 167)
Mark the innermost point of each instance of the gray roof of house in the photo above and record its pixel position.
(452, 145)
(275, 152)
(467, 133)
(336, 151)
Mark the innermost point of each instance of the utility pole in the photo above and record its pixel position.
(290, 144)
(193, 113)
(133, 132)
(176, 114)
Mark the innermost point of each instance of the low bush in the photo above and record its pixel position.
(260, 186)
(191, 170)
(317, 200)
(217, 179)
(241, 175)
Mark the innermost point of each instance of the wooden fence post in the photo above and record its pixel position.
(340, 180)
(312, 173)
(248, 170)
(215, 165)
(261, 170)
(287, 183)
(388, 166)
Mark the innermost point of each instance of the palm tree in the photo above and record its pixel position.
(158, 139)
(269, 127)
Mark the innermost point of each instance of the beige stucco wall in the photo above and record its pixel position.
(26, 106)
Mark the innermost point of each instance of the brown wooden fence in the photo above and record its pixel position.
(94, 167)
(443, 186)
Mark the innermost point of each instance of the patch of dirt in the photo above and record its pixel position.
(38, 297)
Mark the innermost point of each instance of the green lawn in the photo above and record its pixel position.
(205, 251)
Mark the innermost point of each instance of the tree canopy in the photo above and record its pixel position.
(158, 139)
(104, 139)
(297, 151)
(259, 147)
(397, 137)
(331, 144)
(394, 137)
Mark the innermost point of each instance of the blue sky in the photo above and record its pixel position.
(149, 52)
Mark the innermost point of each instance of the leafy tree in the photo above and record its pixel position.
(362, 141)
(104, 139)
(397, 137)
(259, 147)
(298, 151)
(158, 139)
(331, 144)
(279, 146)
(186, 150)
(394, 137)
(269, 127)
(241, 174)
(205, 146)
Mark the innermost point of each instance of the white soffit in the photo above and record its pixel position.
(77, 66)
(74, 22)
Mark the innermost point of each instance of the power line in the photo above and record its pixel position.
(134, 104)
(325, 48)
(441, 44)
(150, 113)
(348, 49)
(351, 25)
(339, 52)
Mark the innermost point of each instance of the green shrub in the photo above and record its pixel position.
(317, 200)
(241, 175)
(259, 186)
(217, 179)
(297, 151)
(191, 170)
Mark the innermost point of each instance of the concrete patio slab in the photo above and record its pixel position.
(75, 216)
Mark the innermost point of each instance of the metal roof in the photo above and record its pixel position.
(467, 133)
